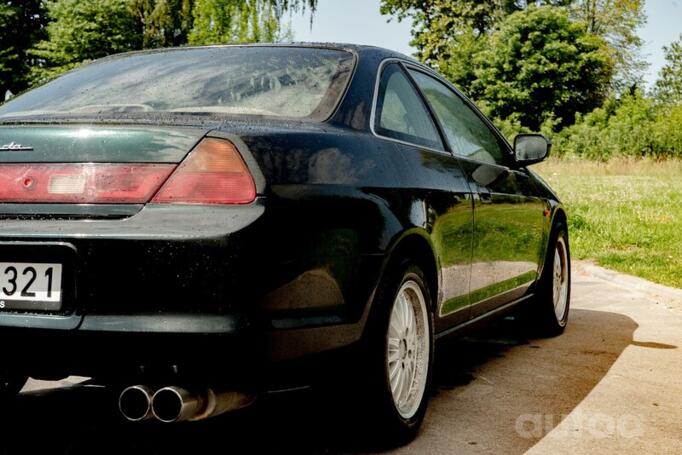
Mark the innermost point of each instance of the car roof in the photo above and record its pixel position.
(359, 49)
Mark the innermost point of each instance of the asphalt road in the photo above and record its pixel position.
(611, 384)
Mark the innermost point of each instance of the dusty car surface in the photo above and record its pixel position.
(197, 226)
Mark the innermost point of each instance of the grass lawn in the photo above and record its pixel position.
(625, 214)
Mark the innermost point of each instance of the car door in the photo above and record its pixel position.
(508, 215)
(435, 193)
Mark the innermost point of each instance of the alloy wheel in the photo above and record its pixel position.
(408, 349)
(560, 280)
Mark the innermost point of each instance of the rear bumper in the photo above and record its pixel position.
(170, 259)
(230, 357)
(189, 324)
(185, 348)
(210, 292)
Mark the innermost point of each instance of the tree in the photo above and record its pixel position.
(457, 61)
(168, 23)
(442, 30)
(541, 66)
(236, 21)
(437, 25)
(617, 21)
(163, 23)
(83, 30)
(242, 21)
(21, 27)
(668, 87)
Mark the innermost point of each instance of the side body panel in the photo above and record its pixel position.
(509, 235)
(442, 193)
(340, 202)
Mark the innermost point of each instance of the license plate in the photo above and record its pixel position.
(27, 286)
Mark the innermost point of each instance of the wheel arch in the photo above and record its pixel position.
(416, 245)
(558, 216)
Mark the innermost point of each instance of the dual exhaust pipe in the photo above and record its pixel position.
(176, 404)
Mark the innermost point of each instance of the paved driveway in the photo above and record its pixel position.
(612, 383)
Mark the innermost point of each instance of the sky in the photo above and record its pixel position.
(359, 22)
(664, 25)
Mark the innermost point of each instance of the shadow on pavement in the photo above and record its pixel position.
(489, 383)
(482, 385)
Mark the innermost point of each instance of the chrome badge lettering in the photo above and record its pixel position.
(14, 147)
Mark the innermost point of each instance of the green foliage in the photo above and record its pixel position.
(459, 66)
(631, 126)
(21, 26)
(669, 84)
(163, 23)
(541, 65)
(437, 25)
(234, 21)
(167, 23)
(242, 21)
(451, 35)
(9, 55)
(83, 30)
(617, 21)
(33, 50)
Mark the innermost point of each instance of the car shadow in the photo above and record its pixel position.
(488, 387)
(482, 385)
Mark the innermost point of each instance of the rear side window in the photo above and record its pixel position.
(464, 130)
(401, 114)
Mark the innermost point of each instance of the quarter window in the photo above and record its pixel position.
(464, 130)
(401, 113)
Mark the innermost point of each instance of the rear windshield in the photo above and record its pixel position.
(291, 82)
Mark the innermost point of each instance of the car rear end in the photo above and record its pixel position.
(98, 254)
(130, 229)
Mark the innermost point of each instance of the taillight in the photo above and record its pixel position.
(81, 183)
(213, 173)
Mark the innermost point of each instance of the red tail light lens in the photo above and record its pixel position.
(213, 173)
(81, 183)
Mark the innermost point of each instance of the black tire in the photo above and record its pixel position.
(381, 420)
(541, 315)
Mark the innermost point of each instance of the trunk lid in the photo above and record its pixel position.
(95, 144)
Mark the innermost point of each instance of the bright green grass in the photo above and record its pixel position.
(626, 215)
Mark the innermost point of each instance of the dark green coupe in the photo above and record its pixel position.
(197, 226)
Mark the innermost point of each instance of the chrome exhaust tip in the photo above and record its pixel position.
(135, 403)
(175, 404)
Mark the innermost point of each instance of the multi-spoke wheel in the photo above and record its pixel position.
(408, 349)
(560, 279)
(549, 314)
(397, 357)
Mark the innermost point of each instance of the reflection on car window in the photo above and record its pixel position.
(293, 82)
(464, 130)
(401, 114)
